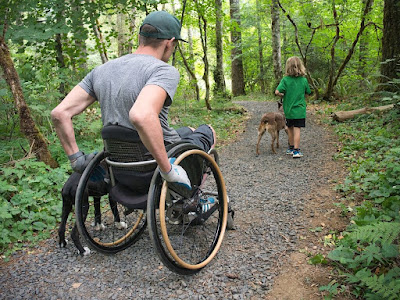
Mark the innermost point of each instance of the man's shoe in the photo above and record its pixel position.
(297, 153)
(206, 204)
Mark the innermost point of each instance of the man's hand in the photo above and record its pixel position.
(177, 175)
(79, 161)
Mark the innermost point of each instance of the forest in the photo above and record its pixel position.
(235, 48)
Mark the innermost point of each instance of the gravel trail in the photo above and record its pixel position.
(268, 194)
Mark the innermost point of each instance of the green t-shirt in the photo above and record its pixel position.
(294, 102)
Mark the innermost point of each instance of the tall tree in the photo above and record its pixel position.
(333, 75)
(27, 124)
(261, 76)
(219, 77)
(390, 67)
(303, 53)
(276, 41)
(237, 70)
(363, 46)
(202, 21)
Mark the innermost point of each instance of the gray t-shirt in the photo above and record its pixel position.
(117, 83)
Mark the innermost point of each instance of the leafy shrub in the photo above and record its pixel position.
(369, 252)
(30, 202)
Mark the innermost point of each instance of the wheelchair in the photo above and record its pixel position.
(186, 226)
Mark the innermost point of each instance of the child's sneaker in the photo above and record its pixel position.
(289, 151)
(206, 204)
(297, 153)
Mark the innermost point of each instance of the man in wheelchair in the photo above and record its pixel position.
(135, 91)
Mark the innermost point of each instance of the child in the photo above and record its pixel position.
(293, 88)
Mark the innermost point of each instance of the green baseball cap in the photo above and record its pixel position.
(166, 24)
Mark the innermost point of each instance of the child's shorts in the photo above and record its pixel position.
(202, 136)
(296, 122)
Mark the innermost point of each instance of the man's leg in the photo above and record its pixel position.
(204, 136)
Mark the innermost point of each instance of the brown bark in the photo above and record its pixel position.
(27, 124)
(203, 38)
(341, 116)
(260, 48)
(100, 42)
(276, 41)
(219, 78)
(191, 73)
(390, 44)
(237, 70)
(332, 78)
(60, 61)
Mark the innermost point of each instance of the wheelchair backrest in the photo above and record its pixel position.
(130, 163)
(126, 150)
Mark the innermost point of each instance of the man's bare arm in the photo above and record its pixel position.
(73, 104)
(144, 116)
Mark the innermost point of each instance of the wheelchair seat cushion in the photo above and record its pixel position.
(135, 181)
(128, 198)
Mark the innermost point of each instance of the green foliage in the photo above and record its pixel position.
(29, 202)
(369, 251)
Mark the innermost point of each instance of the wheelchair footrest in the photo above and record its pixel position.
(128, 198)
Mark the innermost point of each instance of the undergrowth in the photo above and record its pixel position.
(367, 257)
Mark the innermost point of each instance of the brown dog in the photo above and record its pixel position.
(273, 122)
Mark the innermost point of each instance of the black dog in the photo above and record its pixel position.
(96, 189)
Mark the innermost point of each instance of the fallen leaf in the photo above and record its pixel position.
(232, 276)
(76, 285)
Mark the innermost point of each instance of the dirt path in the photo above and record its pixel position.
(277, 200)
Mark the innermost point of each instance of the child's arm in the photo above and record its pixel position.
(278, 93)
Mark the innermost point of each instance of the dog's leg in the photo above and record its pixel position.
(66, 209)
(75, 237)
(75, 233)
(260, 134)
(117, 220)
(97, 215)
(277, 138)
(272, 132)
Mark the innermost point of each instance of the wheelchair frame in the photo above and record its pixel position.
(185, 236)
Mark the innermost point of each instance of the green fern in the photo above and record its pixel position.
(385, 286)
(382, 232)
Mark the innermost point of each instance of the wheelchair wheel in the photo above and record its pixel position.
(187, 227)
(105, 225)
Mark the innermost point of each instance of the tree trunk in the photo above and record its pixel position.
(390, 44)
(219, 78)
(61, 63)
(260, 48)
(203, 38)
(341, 116)
(123, 42)
(27, 124)
(100, 42)
(192, 76)
(237, 72)
(363, 45)
(276, 41)
(329, 88)
(191, 58)
(332, 78)
(79, 57)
